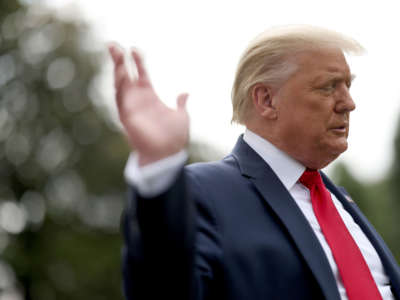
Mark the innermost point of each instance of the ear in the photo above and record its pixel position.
(262, 96)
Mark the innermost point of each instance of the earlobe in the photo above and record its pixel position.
(262, 100)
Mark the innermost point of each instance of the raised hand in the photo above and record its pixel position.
(154, 130)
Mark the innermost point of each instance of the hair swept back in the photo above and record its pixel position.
(267, 59)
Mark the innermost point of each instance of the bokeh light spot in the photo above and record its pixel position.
(60, 73)
(7, 276)
(7, 68)
(54, 149)
(12, 217)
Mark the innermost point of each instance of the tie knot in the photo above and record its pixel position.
(310, 178)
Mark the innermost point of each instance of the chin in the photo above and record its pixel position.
(338, 146)
(341, 148)
(319, 162)
(335, 153)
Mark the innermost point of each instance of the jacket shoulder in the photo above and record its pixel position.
(225, 167)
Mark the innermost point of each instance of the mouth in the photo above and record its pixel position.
(341, 129)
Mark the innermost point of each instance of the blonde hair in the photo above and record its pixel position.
(267, 59)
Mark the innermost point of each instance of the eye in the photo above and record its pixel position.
(329, 87)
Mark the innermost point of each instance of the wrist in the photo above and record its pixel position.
(147, 159)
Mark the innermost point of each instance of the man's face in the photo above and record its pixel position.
(313, 109)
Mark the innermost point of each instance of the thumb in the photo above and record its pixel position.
(181, 101)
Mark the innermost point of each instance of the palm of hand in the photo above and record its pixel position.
(153, 129)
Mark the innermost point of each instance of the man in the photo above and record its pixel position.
(262, 223)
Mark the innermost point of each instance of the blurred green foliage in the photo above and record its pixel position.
(379, 200)
(61, 162)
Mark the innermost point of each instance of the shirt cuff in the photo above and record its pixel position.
(155, 178)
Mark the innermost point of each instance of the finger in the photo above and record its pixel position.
(121, 90)
(121, 75)
(111, 50)
(181, 101)
(116, 54)
(119, 62)
(142, 73)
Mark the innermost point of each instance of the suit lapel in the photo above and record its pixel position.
(284, 206)
(388, 261)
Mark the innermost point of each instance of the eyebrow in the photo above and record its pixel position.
(331, 76)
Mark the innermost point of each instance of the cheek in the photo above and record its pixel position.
(305, 116)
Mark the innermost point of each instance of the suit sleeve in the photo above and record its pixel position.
(170, 246)
(158, 255)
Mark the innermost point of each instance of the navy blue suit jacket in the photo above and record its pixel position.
(231, 230)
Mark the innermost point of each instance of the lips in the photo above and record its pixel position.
(340, 124)
(341, 128)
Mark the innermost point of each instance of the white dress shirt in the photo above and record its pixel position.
(157, 177)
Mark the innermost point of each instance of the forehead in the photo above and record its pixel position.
(313, 63)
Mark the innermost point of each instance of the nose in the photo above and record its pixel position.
(344, 102)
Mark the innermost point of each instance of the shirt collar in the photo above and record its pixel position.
(285, 167)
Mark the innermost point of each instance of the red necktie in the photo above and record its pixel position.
(353, 269)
